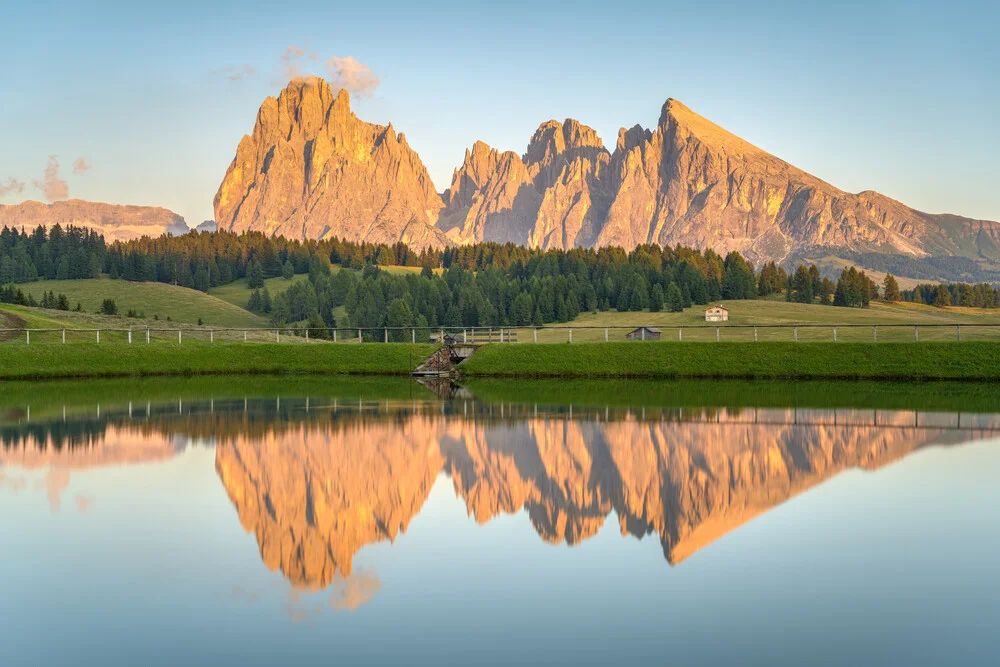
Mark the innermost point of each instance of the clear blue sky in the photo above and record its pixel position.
(901, 97)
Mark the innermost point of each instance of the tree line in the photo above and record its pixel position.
(485, 284)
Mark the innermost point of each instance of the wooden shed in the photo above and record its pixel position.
(717, 314)
(644, 333)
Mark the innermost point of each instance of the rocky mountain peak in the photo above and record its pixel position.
(553, 139)
(312, 169)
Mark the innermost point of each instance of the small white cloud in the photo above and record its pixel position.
(53, 187)
(11, 186)
(352, 75)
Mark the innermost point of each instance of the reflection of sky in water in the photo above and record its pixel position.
(148, 564)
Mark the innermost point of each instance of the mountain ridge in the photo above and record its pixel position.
(116, 222)
(687, 181)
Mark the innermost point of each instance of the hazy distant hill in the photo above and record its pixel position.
(115, 222)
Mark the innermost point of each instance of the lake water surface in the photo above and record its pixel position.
(267, 522)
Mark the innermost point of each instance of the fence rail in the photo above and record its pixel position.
(560, 333)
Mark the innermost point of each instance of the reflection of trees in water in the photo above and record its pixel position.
(316, 480)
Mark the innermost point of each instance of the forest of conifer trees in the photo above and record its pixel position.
(484, 284)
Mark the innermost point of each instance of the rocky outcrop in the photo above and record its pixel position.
(691, 182)
(312, 169)
(552, 197)
(114, 222)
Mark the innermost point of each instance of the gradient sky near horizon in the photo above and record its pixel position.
(899, 97)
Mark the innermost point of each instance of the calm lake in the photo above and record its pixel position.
(313, 521)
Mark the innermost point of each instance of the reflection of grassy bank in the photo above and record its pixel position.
(927, 396)
(53, 394)
(123, 360)
(846, 361)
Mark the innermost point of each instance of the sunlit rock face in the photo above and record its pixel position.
(551, 197)
(312, 169)
(113, 221)
(314, 497)
(691, 182)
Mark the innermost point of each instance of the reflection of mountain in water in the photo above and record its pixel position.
(313, 498)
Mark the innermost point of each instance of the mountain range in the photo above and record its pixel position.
(312, 169)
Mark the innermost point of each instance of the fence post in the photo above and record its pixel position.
(360, 339)
(147, 335)
(244, 335)
(755, 334)
(571, 334)
(334, 335)
(958, 331)
(442, 336)
(130, 335)
(501, 334)
(642, 333)
(413, 336)
(680, 333)
(307, 335)
(534, 335)
(179, 337)
(277, 335)
(64, 336)
(916, 334)
(835, 334)
(211, 335)
(796, 334)
(98, 336)
(716, 334)
(27, 337)
(385, 335)
(605, 334)
(874, 334)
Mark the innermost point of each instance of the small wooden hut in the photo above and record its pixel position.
(644, 333)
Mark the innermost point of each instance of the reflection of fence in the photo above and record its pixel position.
(542, 334)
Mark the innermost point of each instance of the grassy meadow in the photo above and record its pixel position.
(238, 294)
(778, 360)
(79, 360)
(180, 304)
(770, 312)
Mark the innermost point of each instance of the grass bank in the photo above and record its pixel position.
(25, 362)
(844, 361)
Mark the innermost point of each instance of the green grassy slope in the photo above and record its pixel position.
(765, 312)
(238, 294)
(883, 361)
(123, 360)
(179, 303)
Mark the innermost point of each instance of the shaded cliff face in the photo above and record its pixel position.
(312, 169)
(114, 222)
(314, 498)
